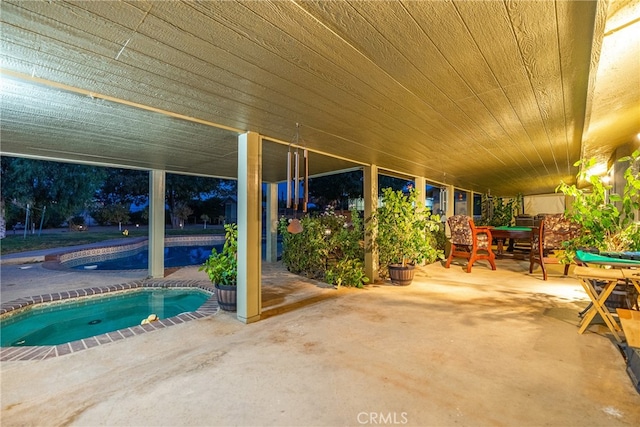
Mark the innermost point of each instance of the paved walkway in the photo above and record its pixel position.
(24, 274)
(486, 348)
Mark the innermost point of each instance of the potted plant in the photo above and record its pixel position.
(222, 269)
(403, 235)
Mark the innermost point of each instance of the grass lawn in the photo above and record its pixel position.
(13, 243)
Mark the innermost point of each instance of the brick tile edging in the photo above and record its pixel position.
(45, 352)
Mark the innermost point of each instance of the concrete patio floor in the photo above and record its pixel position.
(496, 348)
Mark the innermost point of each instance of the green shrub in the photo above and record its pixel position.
(347, 272)
(328, 248)
(609, 225)
(497, 211)
(438, 239)
(305, 253)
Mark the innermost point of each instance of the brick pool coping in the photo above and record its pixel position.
(48, 351)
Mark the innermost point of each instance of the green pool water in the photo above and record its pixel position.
(53, 324)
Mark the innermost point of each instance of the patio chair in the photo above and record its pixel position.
(469, 241)
(547, 238)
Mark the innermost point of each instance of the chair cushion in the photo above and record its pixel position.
(558, 229)
(460, 230)
(483, 240)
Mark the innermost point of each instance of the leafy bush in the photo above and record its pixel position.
(347, 272)
(497, 211)
(111, 214)
(437, 238)
(607, 225)
(328, 248)
(304, 253)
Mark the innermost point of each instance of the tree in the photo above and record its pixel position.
(337, 189)
(115, 213)
(65, 189)
(182, 190)
(212, 207)
(124, 186)
(397, 184)
(181, 211)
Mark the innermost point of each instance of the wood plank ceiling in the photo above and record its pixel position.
(495, 95)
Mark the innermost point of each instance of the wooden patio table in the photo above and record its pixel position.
(512, 233)
(623, 271)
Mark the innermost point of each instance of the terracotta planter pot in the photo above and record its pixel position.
(400, 275)
(227, 297)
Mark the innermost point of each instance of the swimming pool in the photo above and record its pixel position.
(179, 251)
(138, 259)
(79, 318)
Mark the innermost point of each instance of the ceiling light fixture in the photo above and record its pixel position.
(598, 169)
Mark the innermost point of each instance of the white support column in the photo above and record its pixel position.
(272, 222)
(370, 205)
(421, 186)
(156, 223)
(249, 227)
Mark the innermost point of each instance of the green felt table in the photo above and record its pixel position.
(589, 258)
(504, 227)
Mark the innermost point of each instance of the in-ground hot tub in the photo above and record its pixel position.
(41, 327)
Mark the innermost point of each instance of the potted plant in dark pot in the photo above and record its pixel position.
(403, 235)
(222, 269)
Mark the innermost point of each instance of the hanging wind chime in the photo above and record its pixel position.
(293, 178)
